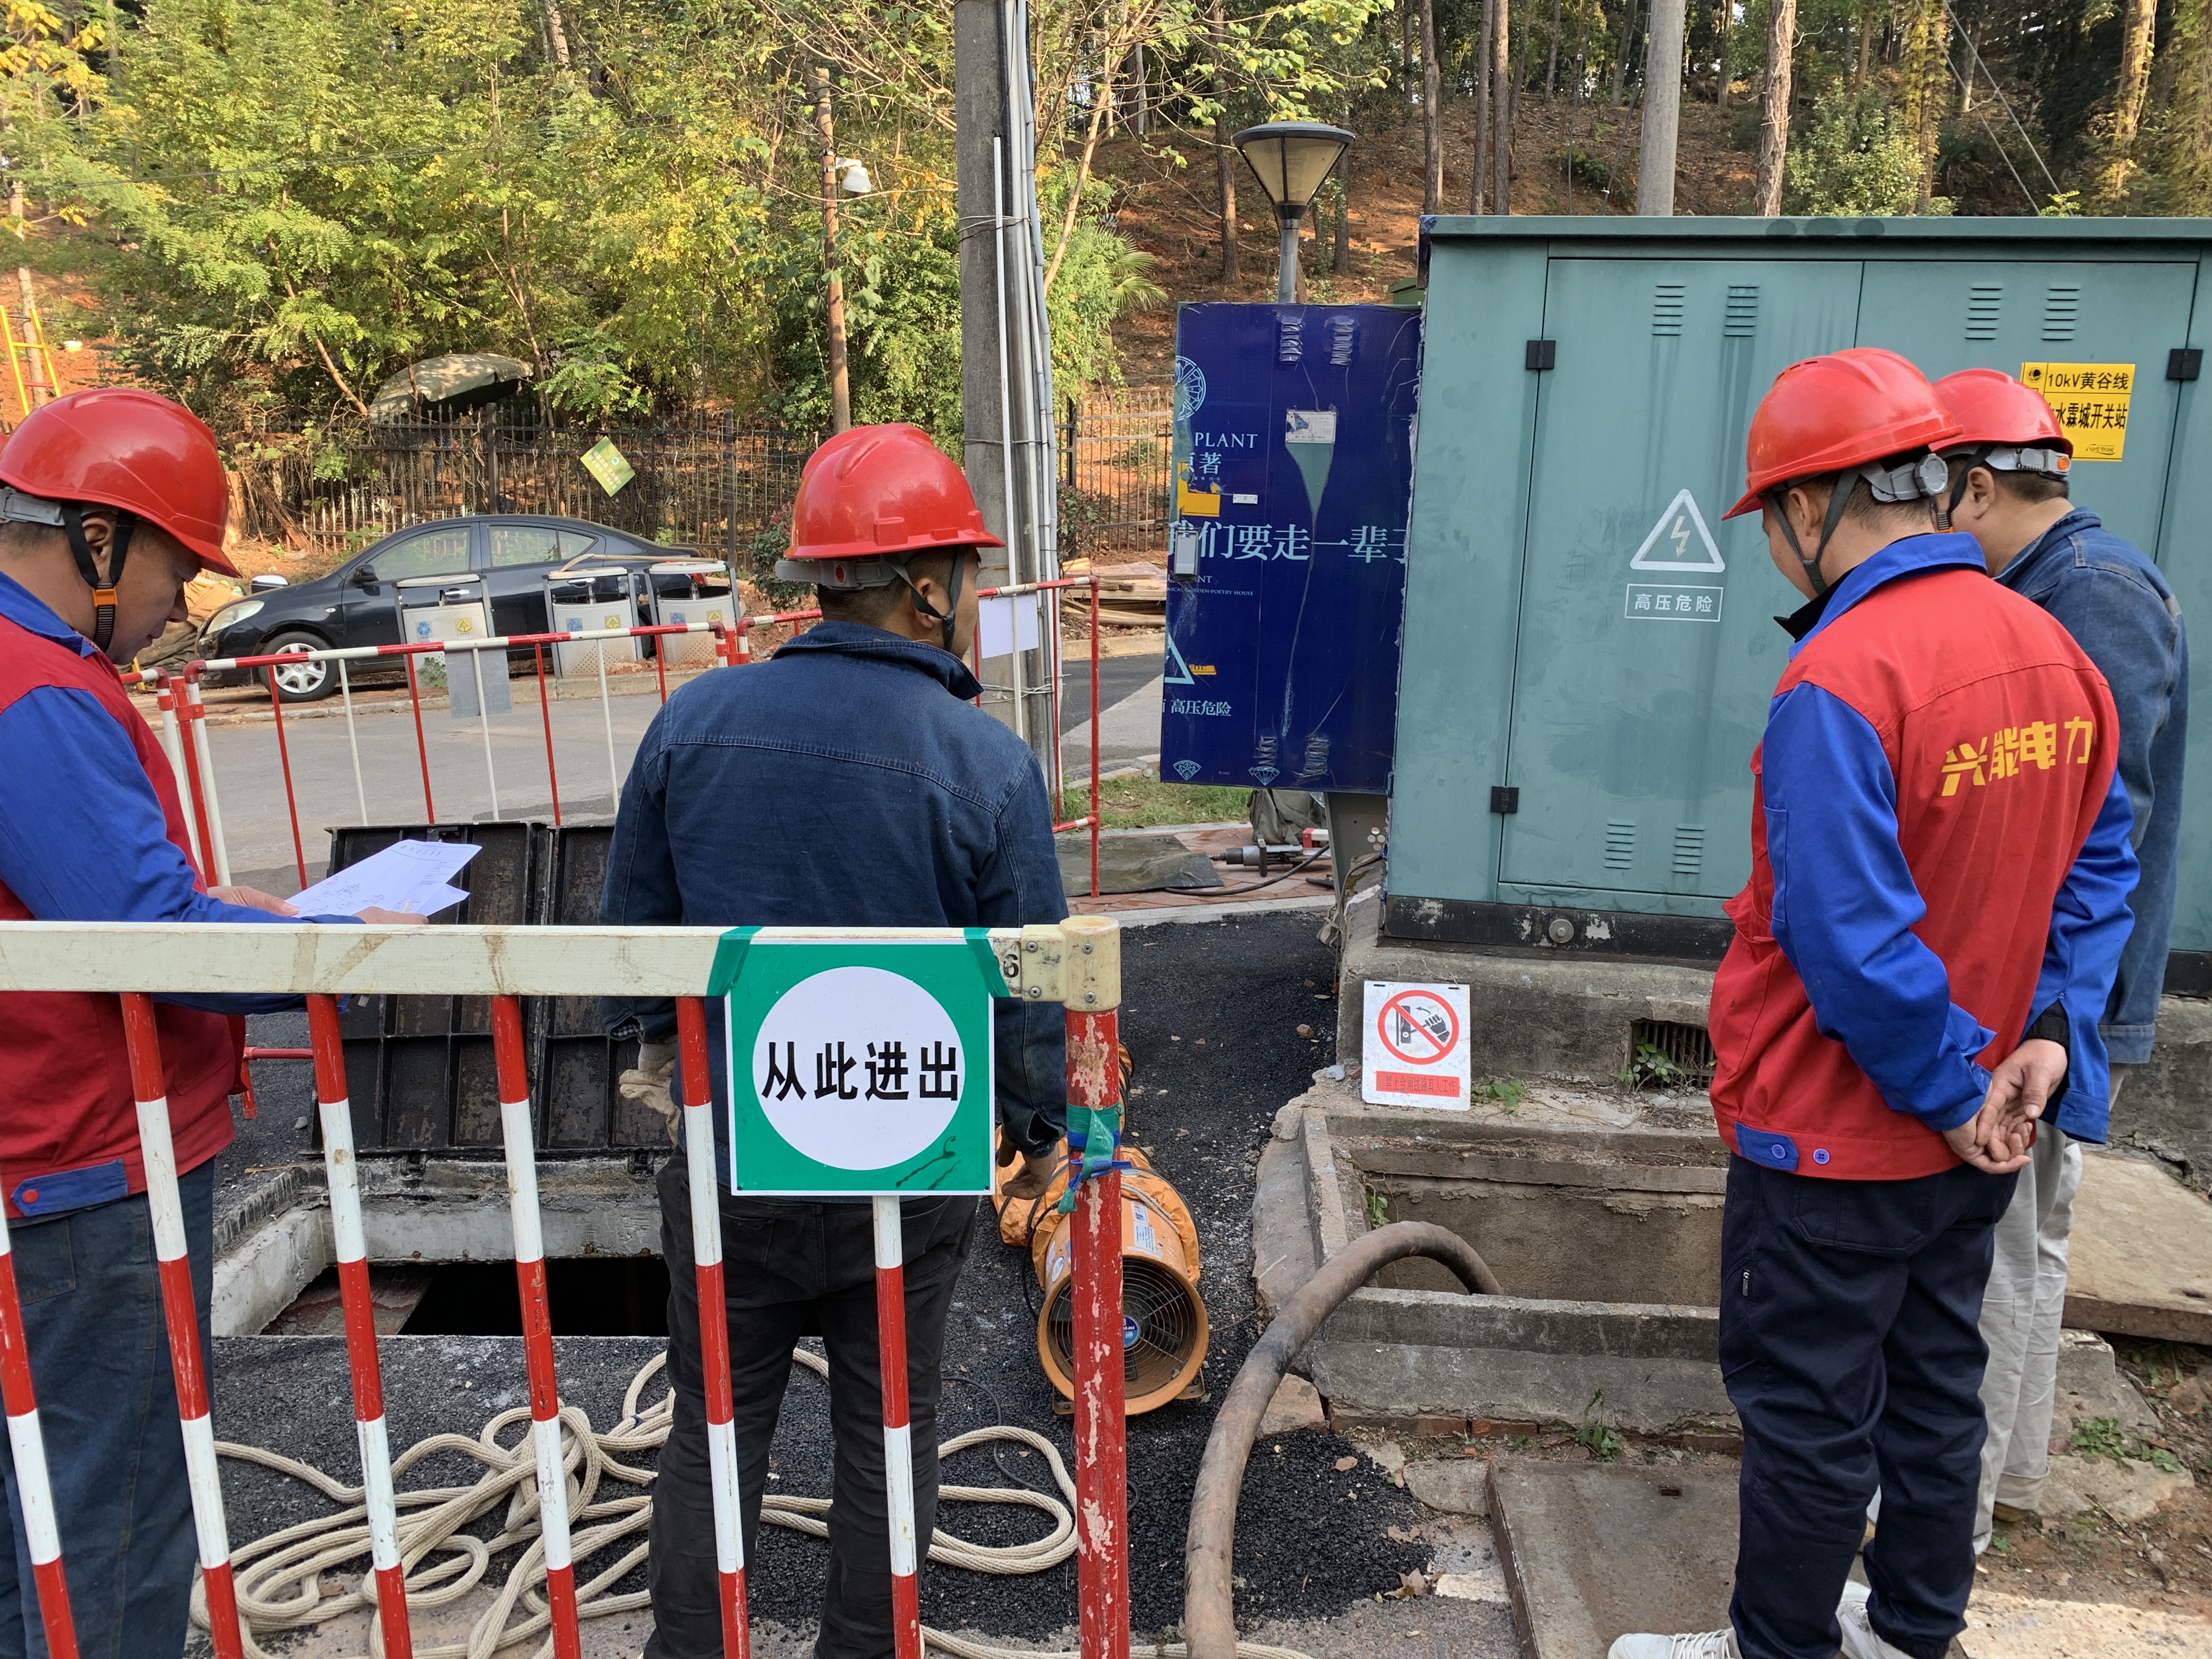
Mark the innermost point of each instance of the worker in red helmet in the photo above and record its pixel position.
(849, 781)
(1940, 869)
(2011, 465)
(110, 502)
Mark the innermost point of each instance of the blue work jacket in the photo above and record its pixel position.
(847, 782)
(2120, 610)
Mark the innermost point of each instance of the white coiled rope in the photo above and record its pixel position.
(279, 1577)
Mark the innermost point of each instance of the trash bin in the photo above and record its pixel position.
(708, 595)
(455, 608)
(592, 600)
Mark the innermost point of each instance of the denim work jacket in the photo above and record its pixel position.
(847, 782)
(2119, 608)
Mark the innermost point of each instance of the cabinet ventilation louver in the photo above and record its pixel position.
(2062, 304)
(1742, 320)
(1984, 300)
(1667, 309)
(1620, 844)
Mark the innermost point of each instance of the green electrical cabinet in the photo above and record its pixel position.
(1589, 648)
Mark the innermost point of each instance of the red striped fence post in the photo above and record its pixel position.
(898, 1433)
(352, 1252)
(515, 1116)
(714, 1323)
(143, 1039)
(1091, 969)
(41, 1535)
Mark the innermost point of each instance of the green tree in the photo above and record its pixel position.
(1855, 156)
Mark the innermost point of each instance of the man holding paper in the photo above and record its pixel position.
(113, 499)
(847, 782)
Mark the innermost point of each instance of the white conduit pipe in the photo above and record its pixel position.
(483, 718)
(199, 742)
(607, 714)
(281, 1584)
(353, 738)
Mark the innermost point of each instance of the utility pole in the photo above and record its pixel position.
(1663, 110)
(34, 367)
(840, 385)
(994, 414)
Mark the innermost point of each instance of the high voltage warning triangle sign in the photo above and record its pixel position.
(1678, 540)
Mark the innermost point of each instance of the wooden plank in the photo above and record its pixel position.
(2140, 1261)
(544, 962)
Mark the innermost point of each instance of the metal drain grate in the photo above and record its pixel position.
(1690, 1047)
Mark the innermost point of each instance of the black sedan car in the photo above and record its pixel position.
(357, 603)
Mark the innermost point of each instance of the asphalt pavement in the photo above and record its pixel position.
(1211, 1013)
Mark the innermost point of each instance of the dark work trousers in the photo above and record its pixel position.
(790, 1269)
(1851, 1344)
(98, 1342)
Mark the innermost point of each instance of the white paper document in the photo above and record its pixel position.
(414, 875)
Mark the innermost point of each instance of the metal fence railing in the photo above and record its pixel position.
(1116, 472)
(705, 483)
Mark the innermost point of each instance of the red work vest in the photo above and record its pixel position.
(69, 1123)
(2001, 738)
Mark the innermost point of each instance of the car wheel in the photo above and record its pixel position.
(305, 681)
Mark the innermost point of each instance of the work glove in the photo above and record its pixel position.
(647, 1082)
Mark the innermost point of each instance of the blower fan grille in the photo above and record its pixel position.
(1163, 1330)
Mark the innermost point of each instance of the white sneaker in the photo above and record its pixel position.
(1859, 1640)
(1711, 1644)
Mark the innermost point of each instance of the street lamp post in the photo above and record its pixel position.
(1289, 159)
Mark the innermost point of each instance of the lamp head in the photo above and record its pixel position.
(1290, 158)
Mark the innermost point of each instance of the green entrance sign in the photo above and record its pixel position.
(862, 1068)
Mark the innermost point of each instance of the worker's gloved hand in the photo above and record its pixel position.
(252, 898)
(647, 1082)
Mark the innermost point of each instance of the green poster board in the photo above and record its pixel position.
(608, 464)
(861, 1068)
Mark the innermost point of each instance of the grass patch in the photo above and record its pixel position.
(1135, 803)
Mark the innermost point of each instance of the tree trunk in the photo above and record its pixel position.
(35, 372)
(1433, 98)
(1866, 48)
(2185, 163)
(1478, 184)
(1723, 25)
(841, 386)
(1774, 107)
(555, 36)
(1926, 84)
(1620, 58)
(2136, 22)
(1502, 85)
(1143, 96)
(1551, 57)
(1225, 156)
(1662, 111)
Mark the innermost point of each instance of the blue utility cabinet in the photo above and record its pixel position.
(1589, 649)
(1286, 563)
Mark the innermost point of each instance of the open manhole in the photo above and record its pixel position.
(589, 1296)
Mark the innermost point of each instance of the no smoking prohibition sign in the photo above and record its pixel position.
(1416, 1047)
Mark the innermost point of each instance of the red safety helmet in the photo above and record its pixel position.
(881, 493)
(870, 499)
(134, 451)
(2010, 424)
(1837, 413)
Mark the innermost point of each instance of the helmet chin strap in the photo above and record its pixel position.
(103, 591)
(947, 620)
(1839, 499)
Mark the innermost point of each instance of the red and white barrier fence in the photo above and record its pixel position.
(183, 714)
(136, 961)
